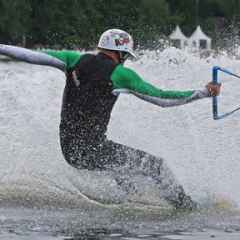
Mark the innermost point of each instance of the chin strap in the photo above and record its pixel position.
(123, 56)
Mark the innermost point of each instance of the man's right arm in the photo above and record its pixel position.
(70, 58)
(31, 56)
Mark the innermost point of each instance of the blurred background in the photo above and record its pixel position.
(79, 23)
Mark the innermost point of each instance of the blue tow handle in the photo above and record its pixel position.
(214, 99)
(215, 70)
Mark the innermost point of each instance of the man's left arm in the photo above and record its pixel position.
(126, 80)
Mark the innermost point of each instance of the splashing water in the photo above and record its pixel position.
(202, 153)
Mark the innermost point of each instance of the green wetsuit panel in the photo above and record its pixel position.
(70, 58)
(125, 78)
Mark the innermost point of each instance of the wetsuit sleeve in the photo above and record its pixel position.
(31, 56)
(126, 80)
(70, 58)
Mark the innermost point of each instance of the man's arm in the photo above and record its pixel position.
(127, 81)
(31, 56)
(70, 58)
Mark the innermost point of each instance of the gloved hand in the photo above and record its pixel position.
(213, 89)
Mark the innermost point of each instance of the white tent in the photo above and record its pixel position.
(200, 40)
(178, 39)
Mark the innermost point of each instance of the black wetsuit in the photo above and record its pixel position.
(86, 109)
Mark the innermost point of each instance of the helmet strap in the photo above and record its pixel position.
(123, 56)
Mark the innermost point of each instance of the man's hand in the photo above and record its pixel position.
(213, 89)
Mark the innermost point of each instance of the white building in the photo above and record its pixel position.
(178, 39)
(199, 40)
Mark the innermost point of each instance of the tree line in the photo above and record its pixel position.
(79, 23)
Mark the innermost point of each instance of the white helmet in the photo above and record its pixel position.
(117, 40)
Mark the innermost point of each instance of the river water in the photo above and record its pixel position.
(42, 197)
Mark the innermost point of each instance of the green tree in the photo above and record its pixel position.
(14, 18)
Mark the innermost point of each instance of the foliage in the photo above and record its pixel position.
(79, 23)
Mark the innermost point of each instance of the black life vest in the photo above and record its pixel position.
(88, 99)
